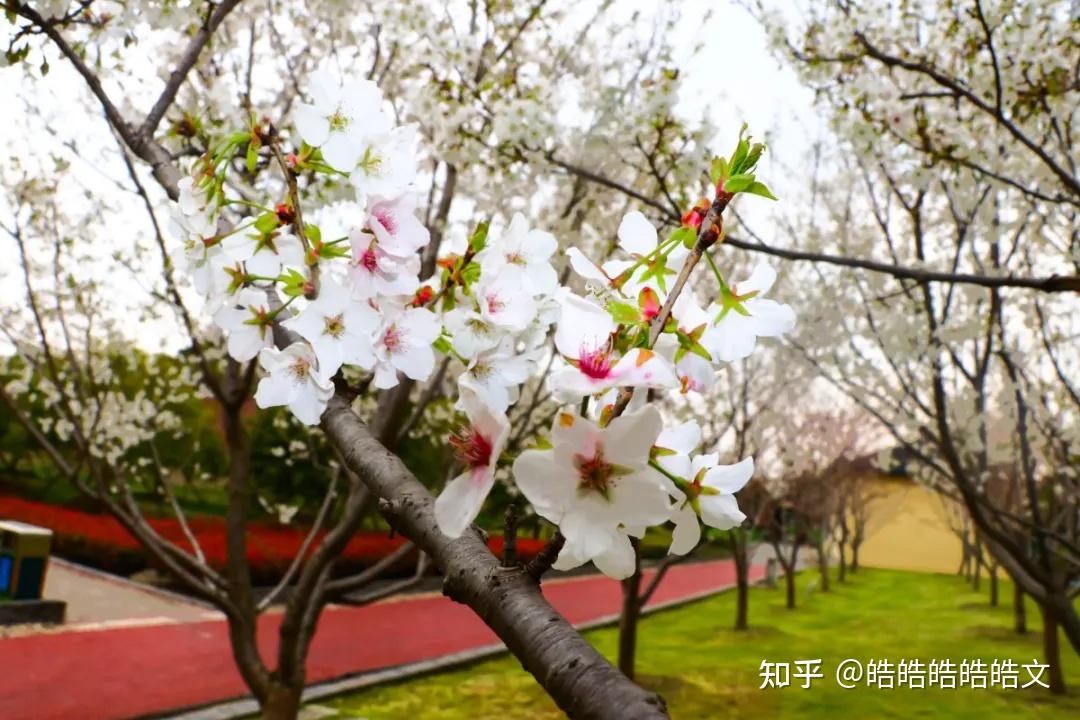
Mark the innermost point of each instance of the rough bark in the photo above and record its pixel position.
(628, 619)
(282, 703)
(841, 552)
(976, 573)
(242, 618)
(572, 672)
(789, 581)
(1052, 649)
(1019, 610)
(742, 580)
(823, 566)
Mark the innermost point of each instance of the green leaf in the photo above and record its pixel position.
(267, 222)
(293, 282)
(442, 344)
(687, 236)
(478, 239)
(752, 158)
(327, 250)
(758, 188)
(738, 183)
(252, 158)
(738, 157)
(623, 313)
(700, 351)
(470, 273)
(314, 234)
(718, 170)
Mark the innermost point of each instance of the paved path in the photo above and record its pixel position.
(123, 672)
(94, 597)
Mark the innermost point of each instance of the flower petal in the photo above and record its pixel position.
(637, 235)
(460, 501)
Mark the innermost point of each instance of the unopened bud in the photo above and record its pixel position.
(692, 218)
(423, 296)
(285, 213)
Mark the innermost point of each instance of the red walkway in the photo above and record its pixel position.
(126, 672)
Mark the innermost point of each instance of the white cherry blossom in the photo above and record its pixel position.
(197, 256)
(478, 445)
(243, 317)
(582, 337)
(338, 327)
(529, 250)
(265, 254)
(595, 483)
(387, 164)
(638, 238)
(341, 118)
(403, 342)
(496, 375)
(374, 272)
(502, 300)
(395, 225)
(744, 315)
(471, 333)
(294, 380)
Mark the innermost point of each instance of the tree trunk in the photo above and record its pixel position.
(965, 557)
(283, 703)
(823, 566)
(1019, 610)
(789, 580)
(742, 578)
(1052, 650)
(628, 619)
(976, 575)
(242, 622)
(993, 586)
(841, 551)
(1069, 620)
(855, 555)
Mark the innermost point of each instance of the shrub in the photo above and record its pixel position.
(100, 541)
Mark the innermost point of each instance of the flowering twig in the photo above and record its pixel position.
(708, 234)
(298, 217)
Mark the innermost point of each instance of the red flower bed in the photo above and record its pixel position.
(101, 541)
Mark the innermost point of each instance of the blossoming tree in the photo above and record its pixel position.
(951, 116)
(303, 240)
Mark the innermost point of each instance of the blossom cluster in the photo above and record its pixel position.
(493, 309)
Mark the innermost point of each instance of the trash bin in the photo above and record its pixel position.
(24, 557)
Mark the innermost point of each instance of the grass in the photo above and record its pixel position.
(706, 670)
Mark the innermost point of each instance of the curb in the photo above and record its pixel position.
(245, 707)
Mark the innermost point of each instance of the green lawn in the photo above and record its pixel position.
(706, 670)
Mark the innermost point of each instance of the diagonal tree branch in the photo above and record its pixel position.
(576, 676)
(183, 67)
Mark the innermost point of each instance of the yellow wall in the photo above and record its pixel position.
(908, 529)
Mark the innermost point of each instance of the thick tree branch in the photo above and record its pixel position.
(577, 677)
(1052, 284)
